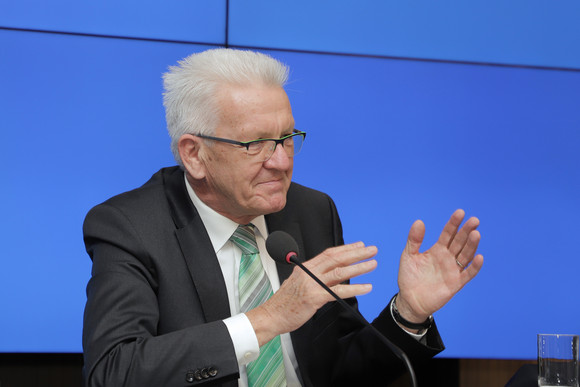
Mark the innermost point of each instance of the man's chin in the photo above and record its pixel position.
(270, 198)
(275, 203)
(277, 206)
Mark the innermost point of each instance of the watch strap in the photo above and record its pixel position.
(406, 323)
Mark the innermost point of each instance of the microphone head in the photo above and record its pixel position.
(281, 246)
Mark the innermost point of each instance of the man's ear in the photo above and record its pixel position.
(189, 147)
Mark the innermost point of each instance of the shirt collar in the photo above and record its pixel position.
(220, 228)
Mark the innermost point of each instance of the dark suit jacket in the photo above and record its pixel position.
(157, 298)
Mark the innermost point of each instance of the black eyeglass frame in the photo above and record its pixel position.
(247, 144)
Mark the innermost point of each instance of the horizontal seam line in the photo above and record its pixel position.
(302, 51)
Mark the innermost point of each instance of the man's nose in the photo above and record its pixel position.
(279, 158)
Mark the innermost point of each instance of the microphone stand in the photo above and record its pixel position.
(396, 350)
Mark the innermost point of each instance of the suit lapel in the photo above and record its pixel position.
(276, 222)
(200, 258)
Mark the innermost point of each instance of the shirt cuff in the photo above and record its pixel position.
(244, 338)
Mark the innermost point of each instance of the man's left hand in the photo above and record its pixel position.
(428, 280)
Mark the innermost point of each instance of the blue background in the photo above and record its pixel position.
(412, 110)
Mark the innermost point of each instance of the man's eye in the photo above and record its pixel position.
(256, 146)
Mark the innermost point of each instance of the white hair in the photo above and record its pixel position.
(191, 87)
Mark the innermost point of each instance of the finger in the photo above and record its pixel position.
(458, 243)
(351, 290)
(473, 269)
(341, 256)
(327, 258)
(466, 255)
(344, 273)
(451, 227)
(416, 235)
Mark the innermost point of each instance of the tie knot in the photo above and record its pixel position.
(245, 238)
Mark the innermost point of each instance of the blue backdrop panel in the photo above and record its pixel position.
(392, 141)
(395, 141)
(193, 21)
(538, 33)
(77, 127)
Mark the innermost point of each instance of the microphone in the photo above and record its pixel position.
(284, 249)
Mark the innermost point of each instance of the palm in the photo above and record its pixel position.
(428, 280)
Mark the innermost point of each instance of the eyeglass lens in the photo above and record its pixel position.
(291, 145)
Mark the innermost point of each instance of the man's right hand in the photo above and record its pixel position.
(299, 297)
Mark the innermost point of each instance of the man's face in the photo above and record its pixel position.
(240, 186)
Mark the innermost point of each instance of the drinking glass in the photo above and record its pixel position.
(557, 360)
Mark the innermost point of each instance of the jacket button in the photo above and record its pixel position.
(197, 375)
(204, 373)
(189, 378)
(212, 372)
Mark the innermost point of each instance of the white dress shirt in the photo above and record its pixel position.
(220, 229)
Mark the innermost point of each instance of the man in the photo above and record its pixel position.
(170, 303)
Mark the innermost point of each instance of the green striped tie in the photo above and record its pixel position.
(255, 289)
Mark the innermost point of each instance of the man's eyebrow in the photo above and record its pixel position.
(284, 134)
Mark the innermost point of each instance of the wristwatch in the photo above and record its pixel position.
(408, 324)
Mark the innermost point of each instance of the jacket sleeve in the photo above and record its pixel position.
(340, 351)
(121, 340)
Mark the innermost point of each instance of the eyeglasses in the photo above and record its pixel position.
(264, 148)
